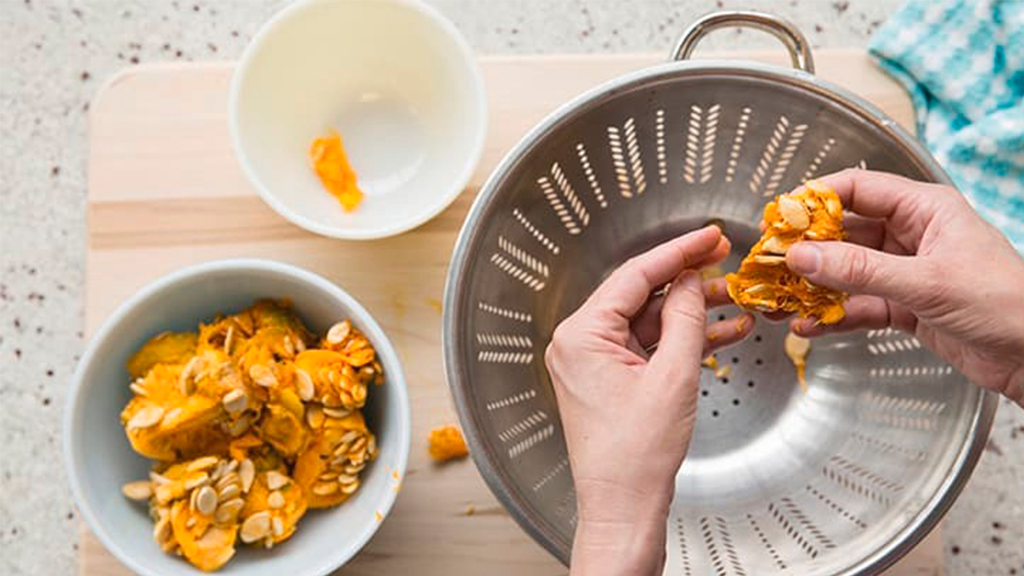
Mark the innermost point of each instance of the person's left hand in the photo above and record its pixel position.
(628, 416)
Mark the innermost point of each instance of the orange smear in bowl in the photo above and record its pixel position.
(336, 174)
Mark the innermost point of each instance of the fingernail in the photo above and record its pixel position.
(804, 258)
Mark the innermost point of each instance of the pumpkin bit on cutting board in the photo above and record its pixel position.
(446, 443)
(765, 283)
(336, 174)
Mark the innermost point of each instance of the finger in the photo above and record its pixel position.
(862, 312)
(870, 193)
(727, 332)
(677, 360)
(777, 315)
(868, 232)
(720, 253)
(646, 326)
(856, 269)
(716, 293)
(627, 289)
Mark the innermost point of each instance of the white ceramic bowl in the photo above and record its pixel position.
(398, 83)
(99, 459)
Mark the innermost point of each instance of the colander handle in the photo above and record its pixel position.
(784, 30)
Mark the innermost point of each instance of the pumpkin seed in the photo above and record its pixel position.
(138, 490)
(137, 389)
(196, 480)
(325, 488)
(359, 445)
(239, 427)
(228, 511)
(235, 401)
(769, 260)
(262, 376)
(229, 339)
(794, 213)
(256, 527)
(774, 245)
(275, 500)
(228, 479)
(328, 476)
(338, 332)
(314, 416)
(206, 501)
(304, 385)
(158, 479)
(247, 473)
(276, 480)
(278, 526)
(346, 479)
(228, 492)
(204, 463)
(288, 346)
(338, 413)
(162, 531)
(147, 417)
(834, 207)
(758, 289)
(348, 489)
(342, 449)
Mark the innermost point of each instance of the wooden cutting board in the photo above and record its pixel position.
(165, 191)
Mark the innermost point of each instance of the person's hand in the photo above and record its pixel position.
(921, 260)
(628, 416)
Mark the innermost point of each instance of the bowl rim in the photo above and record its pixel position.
(170, 281)
(498, 480)
(458, 184)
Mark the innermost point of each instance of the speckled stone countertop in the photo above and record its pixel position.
(55, 54)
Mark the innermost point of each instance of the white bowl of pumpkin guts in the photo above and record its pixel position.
(243, 416)
(358, 119)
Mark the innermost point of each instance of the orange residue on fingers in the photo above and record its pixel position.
(446, 443)
(331, 164)
(741, 324)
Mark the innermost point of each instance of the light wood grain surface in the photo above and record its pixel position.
(165, 191)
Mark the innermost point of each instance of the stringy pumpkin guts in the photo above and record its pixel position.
(765, 283)
(251, 422)
(331, 164)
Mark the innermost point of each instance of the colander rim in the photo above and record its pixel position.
(500, 484)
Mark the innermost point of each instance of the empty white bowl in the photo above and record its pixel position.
(393, 77)
(99, 459)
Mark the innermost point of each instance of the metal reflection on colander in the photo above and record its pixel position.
(841, 480)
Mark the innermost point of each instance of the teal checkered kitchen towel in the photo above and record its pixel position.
(963, 63)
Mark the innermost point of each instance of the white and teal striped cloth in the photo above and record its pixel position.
(963, 63)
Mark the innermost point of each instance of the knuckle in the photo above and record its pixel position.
(686, 315)
(859, 268)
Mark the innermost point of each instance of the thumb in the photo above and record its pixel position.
(683, 317)
(854, 268)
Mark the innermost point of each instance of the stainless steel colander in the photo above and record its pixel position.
(841, 480)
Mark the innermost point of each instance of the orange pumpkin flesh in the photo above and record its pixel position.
(230, 401)
(764, 282)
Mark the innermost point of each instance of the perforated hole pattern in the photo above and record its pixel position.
(776, 480)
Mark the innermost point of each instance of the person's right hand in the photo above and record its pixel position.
(919, 259)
